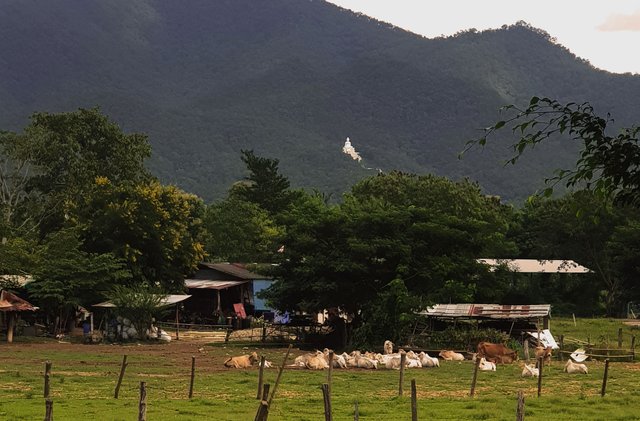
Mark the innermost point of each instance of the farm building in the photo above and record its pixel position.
(224, 289)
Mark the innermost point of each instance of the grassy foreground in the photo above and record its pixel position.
(84, 377)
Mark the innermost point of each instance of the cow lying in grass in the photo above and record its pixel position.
(530, 371)
(575, 368)
(451, 356)
(496, 353)
(243, 361)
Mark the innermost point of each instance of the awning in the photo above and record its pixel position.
(546, 338)
(211, 284)
(11, 302)
(166, 301)
(536, 266)
(490, 311)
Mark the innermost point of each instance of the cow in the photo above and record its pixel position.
(316, 362)
(428, 361)
(388, 347)
(301, 360)
(485, 365)
(242, 361)
(496, 353)
(338, 360)
(451, 356)
(530, 371)
(575, 368)
(544, 353)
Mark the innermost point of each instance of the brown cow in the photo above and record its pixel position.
(243, 361)
(496, 353)
(545, 353)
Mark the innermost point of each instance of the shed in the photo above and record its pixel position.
(217, 287)
(11, 304)
(536, 265)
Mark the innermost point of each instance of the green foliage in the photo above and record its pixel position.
(240, 231)
(156, 229)
(67, 276)
(139, 303)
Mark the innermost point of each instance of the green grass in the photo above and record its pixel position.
(84, 377)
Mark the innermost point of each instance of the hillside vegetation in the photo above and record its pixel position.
(291, 80)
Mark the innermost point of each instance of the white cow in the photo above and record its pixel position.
(388, 347)
(575, 368)
(428, 361)
(486, 365)
(530, 371)
(451, 356)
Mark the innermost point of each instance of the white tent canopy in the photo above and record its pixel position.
(166, 301)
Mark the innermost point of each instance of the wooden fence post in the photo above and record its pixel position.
(123, 367)
(520, 407)
(47, 378)
(561, 348)
(193, 375)
(619, 337)
(526, 350)
(356, 411)
(604, 379)
(142, 406)
(275, 386)
(330, 371)
(327, 402)
(540, 369)
(414, 401)
(260, 375)
(48, 414)
(633, 347)
(475, 376)
(263, 409)
(403, 359)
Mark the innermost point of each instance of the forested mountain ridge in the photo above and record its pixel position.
(292, 79)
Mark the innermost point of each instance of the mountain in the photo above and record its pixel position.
(291, 79)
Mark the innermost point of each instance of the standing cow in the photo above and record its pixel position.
(497, 353)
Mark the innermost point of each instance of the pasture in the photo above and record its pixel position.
(84, 377)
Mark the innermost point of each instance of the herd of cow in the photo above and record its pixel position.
(490, 355)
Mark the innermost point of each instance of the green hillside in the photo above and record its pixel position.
(292, 79)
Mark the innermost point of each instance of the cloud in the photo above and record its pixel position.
(620, 22)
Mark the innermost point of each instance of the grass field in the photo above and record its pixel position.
(84, 377)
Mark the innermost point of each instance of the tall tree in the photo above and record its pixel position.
(264, 185)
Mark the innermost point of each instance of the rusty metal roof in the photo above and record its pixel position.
(490, 311)
(211, 283)
(233, 269)
(536, 266)
(11, 302)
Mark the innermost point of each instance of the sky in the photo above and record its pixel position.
(605, 32)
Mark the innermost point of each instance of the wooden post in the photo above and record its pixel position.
(330, 371)
(48, 414)
(414, 401)
(123, 367)
(11, 321)
(177, 324)
(47, 378)
(327, 402)
(142, 406)
(260, 374)
(356, 412)
(275, 386)
(620, 338)
(561, 348)
(604, 379)
(263, 409)
(526, 350)
(264, 333)
(475, 376)
(403, 359)
(633, 347)
(540, 367)
(538, 343)
(574, 320)
(520, 407)
(193, 375)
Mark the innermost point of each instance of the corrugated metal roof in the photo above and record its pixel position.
(211, 284)
(234, 270)
(21, 280)
(537, 266)
(166, 301)
(11, 302)
(491, 311)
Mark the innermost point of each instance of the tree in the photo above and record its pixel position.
(608, 164)
(393, 231)
(138, 303)
(240, 231)
(156, 229)
(264, 185)
(67, 276)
